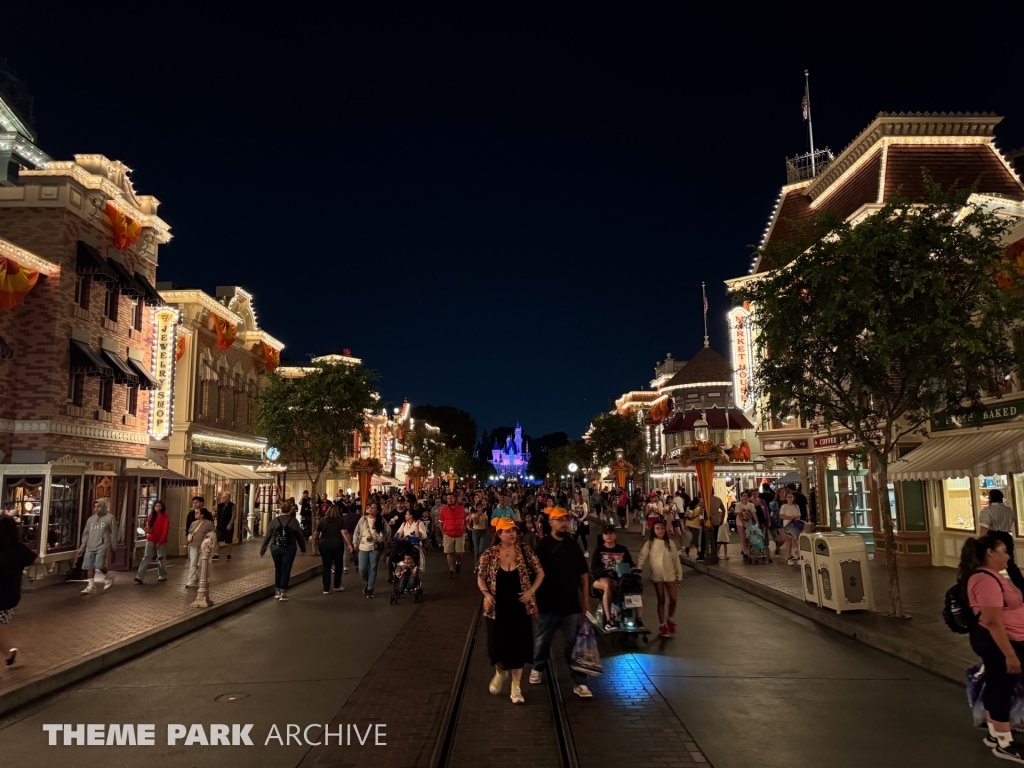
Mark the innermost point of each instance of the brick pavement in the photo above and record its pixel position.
(57, 628)
(493, 732)
(628, 722)
(409, 687)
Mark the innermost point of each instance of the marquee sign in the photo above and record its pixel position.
(164, 351)
(742, 356)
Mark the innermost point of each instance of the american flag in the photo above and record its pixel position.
(705, 305)
(804, 106)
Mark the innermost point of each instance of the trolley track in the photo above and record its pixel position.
(469, 727)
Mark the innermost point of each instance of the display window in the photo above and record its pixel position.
(148, 490)
(958, 504)
(62, 522)
(23, 500)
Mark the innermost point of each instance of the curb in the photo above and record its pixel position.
(945, 667)
(61, 677)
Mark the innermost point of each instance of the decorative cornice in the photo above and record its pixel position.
(49, 427)
(980, 127)
(22, 148)
(204, 300)
(27, 259)
(266, 338)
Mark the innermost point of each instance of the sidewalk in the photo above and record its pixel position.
(923, 640)
(65, 637)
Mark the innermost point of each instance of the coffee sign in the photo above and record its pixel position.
(163, 369)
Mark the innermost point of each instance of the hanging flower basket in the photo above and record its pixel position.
(706, 451)
(373, 466)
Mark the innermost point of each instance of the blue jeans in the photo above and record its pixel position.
(153, 550)
(547, 625)
(283, 559)
(481, 541)
(368, 567)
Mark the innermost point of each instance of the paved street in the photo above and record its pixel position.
(745, 684)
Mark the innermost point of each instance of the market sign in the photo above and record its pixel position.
(742, 356)
(1005, 410)
(163, 369)
(799, 444)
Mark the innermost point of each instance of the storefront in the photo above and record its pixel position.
(955, 470)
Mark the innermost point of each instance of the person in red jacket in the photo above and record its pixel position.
(157, 526)
(453, 526)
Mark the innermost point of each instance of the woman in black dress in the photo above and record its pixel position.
(508, 578)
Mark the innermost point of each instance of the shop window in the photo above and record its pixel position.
(133, 401)
(137, 313)
(23, 500)
(106, 399)
(147, 498)
(110, 301)
(82, 285)
(65, 493)
(959, 510)
(204, 398)
(76, 388)
(989, 483)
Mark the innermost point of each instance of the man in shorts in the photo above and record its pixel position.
(96, 542)
(453, 530)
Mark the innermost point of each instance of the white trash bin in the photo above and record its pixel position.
(808, 569)
(841, 567)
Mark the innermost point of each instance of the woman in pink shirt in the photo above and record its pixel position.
(997, 637)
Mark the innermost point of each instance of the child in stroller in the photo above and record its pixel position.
(758, 548)
(404, 565)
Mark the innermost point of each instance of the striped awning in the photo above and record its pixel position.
(91, 263)
(217, 472)
(963, 454)
(168, 477)
(150, 294)
(128, 285)
(85, 360)
(716, 419)
(146, 380)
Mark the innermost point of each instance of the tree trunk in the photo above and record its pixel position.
(314, 519)
(895, 599)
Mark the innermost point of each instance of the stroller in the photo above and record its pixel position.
(400, 549)
(629, 589)
(759, 553)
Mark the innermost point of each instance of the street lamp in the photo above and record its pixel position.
(572, 476)
(417, 473)
(703, 455)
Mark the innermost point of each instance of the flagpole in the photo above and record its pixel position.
(810, 123)
(704, 293)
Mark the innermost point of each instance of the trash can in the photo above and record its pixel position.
(841, 567)
(808, 568)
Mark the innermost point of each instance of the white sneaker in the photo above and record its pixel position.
(89, 589)
(582, 691)
(536, 677)
(339, 589)
(517, 694)
(109, 582)
(497, 682)
(277, 594)
(283, 598)
(586, 554)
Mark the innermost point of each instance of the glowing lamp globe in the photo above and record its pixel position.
(619, 454)
(417, 462)
(573, 467)
(701, 433)
(364, 451)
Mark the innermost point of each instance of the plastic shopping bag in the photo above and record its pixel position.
(975, 690)
(585, 656)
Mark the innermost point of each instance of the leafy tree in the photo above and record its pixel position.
(453, 458)
(459, 427)
(539, 452)
(877, 326)
(612, 430)
(427, 445)
(578, 452)
(311, 419)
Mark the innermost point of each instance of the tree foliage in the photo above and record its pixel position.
(610, 431)
(311, 419)
(877, 326)
(578, 452)
(457, 425)
(453, 458)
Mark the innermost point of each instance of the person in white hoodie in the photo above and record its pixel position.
(666, 573)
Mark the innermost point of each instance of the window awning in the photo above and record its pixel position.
(91, 263)
(146, 380)
(150, 295)
(84, 360)
(122, 373)
(129, 287)
(962, 454)
(716, 419)
(217, 472)
(6, 353)
(169, 477)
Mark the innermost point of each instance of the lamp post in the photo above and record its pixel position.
(703, 455)
(451, 480)
(364, 468)
(572, 478)
(417, 473)
(621, 467)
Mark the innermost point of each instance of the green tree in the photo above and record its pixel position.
(458, 426)
(310, 419)
(453, 458)
(610, 431)
(877, 326)
(578, 452)
(427, 445)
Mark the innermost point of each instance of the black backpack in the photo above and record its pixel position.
(956, 610)
(282, 535)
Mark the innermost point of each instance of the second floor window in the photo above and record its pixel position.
(76, 386)
(140, 308)
(82, 285)
(110, 297)
(106, 401)
(133, 401)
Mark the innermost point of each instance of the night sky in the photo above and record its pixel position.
(504, 208)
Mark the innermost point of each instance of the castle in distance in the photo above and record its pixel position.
(511, 461)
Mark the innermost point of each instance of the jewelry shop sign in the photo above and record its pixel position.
(163, 370)
(1005, 410)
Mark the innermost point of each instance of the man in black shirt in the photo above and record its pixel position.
(559, 604)
(602, 566)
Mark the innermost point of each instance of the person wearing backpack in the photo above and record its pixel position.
(996, 617)
(283, 536)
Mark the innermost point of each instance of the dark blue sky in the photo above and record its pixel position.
(502, 207)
